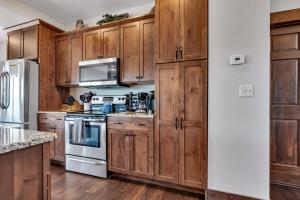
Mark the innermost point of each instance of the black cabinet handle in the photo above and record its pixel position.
(176, 55)
(141, 124)
(138, 77)
(181, 123)
(176, 124)
(141, 77)
(181, 52)
(119, 123)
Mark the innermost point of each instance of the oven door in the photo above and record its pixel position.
(103, 72)
(87, 140)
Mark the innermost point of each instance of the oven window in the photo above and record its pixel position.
(90, 136)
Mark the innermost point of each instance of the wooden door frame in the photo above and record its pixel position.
(284, 18)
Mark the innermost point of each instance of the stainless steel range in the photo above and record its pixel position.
(86, 136)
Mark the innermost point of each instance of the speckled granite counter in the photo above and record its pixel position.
(131, 114)
(51, 112)
(14, 139)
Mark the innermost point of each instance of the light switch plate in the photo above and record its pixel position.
(246, 90)
(237, 59)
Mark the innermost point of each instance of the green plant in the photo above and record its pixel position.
(110, 18)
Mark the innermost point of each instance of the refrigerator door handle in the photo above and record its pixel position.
(1, 90)
(7, 85)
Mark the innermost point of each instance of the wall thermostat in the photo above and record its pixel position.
(237, 59)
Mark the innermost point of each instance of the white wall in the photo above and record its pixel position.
(281, 5)
(238, 137)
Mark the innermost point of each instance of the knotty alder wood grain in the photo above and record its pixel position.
(285, 105)
(25, 173)
(92, 48)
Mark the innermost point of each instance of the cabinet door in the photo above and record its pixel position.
(14, 45)
(62, 60)
(29, 47)
(48, 128)
(59, 145)
(91, 45)
(111, 42)
(166, 134)
(193, 124)
(130, 52)
(76, 57)
(142, 154)
(147, 65)
(193, 29)
(167, 30)
(119, 146)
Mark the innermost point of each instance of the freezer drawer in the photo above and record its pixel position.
(86, 166)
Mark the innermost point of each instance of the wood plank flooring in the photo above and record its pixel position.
(280, 192)
(73, 186)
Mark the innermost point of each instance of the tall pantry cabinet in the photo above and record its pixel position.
(181, 87)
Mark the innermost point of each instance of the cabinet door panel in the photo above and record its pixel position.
(92, 48)
(194, 29)
(142, 153)
(147, 65)
(30, 42)
(59, 145)
(48, 128)
(118, 151)
(111, 42)
(130, 52)
(193, 124)
(62, 60)
(167, 30)
(76, 57)
(14, 45)
(166, 134)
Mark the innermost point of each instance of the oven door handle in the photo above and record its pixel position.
(88, 162)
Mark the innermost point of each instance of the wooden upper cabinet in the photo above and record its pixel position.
(193, 29)
(63, 61)
(147, 66)
(130, 52)
(181, 30)
(111, 42)
(23, 43)
(14, 45)
(76, 57)
(92, 48)
(30, 42)
(167, 30)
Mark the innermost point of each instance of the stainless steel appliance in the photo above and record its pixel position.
(86, 137)
(99, 73)
(19, 94)
(142, 96)
(150, 102)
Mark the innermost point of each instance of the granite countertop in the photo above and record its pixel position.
(131, 114)
(14, 139)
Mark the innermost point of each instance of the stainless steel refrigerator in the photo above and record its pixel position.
(19, 94)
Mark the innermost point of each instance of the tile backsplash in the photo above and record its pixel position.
(76, 92)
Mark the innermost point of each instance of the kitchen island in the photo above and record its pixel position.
(25, 164)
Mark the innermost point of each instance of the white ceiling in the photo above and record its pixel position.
(67, 11)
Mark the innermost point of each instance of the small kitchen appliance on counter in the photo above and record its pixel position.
(142, 97)
(85, 136)
(150, 102)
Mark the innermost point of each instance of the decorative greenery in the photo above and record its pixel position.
(110, 18)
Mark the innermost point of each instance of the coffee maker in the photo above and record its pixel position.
(142, 97)
(150, 102)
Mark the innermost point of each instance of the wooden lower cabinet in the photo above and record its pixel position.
(27, 174)
(130, 150)
(54, 123)
(181, 123)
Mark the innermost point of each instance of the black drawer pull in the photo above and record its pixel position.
(141, 124)
(119, 123)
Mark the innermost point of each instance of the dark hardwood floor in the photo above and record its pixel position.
(280, 192)
(73, 186)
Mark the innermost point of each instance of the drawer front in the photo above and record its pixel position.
(130, 123)
(48, 118)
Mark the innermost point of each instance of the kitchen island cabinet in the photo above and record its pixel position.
(25, 164)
